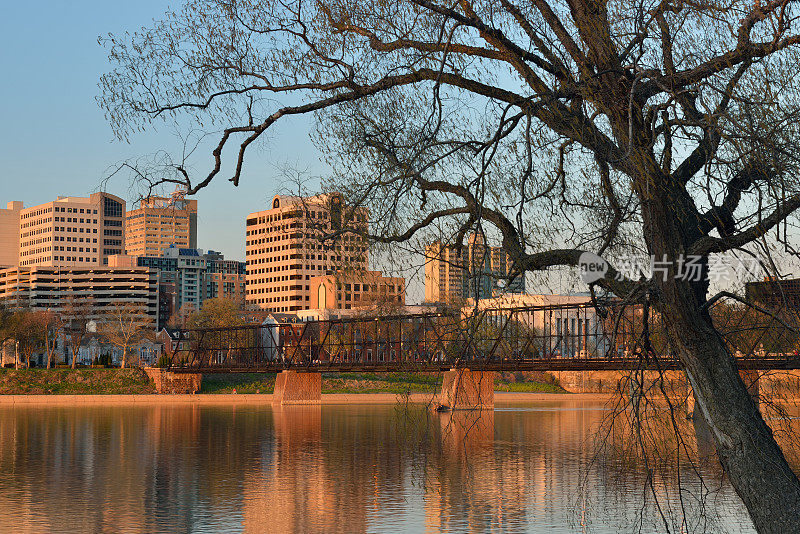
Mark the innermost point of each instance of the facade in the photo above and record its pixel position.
(283, 252)
(349, 289)
(474, 271)
(567, 326)
(187, 278)
(68, 232)
(55, 288)
(159, 223)
(9, 234)
(775, 294)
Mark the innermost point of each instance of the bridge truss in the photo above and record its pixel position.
(606, 335)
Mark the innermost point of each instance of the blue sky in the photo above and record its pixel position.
(54, 139)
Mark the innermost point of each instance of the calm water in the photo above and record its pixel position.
(525, 468)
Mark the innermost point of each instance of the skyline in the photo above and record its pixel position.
(66, 147)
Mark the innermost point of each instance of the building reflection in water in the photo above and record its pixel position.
(354, 468)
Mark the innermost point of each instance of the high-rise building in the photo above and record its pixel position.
(9, 234)
(283, 251)
(68, 232)
(187, 278)
(476, 270)
(160, 222)
(224, 278)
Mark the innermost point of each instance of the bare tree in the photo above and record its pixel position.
(28, 332)
(124, 325)
(667, 129)
(51, 326)
(77, 313)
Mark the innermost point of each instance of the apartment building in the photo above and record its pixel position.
(56, 288)
(68, 232)
(283, 251)
(160, 222)
(188, 277)
(224, 278)
(477, 270)
(350, 289)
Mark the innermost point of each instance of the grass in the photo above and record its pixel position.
(398, 383)
(74, 382)
(529, 387)
(241, 382)
(134, 381)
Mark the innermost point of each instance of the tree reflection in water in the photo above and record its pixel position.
(355, 468)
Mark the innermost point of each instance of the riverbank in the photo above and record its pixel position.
(264, 399)
(95, 382)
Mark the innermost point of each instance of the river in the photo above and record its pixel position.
(526, 467)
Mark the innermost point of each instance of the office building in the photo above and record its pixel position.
(68, 232)
(224, 278)
(283, 251)
(476, 270)
(9, 234)
(161, 222)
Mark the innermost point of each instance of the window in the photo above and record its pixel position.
(112, 208)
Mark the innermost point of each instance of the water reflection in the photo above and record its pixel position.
(322, 469)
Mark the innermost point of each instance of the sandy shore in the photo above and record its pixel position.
(332, 398)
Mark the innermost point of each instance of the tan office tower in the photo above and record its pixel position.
(160, 222)
(68, 232)
(9, 234)
(283, 253)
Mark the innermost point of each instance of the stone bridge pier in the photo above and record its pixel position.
(292, 387)
(465, 389)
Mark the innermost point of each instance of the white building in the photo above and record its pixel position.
(564, 325)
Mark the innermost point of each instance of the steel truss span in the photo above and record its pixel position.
(605, 335)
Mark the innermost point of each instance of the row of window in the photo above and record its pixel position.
(76, 210)
(35, 213)
(75, 230)
(36, 222)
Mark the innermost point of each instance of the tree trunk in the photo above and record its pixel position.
(744, 442)
(49, 353)
(124, 357)
(746, 447)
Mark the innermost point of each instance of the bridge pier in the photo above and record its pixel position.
(292, 387)
(463, 389)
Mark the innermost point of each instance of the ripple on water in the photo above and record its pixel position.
(528, 467)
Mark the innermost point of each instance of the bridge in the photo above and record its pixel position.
(599, 336)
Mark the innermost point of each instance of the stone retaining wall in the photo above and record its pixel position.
(169, 382)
